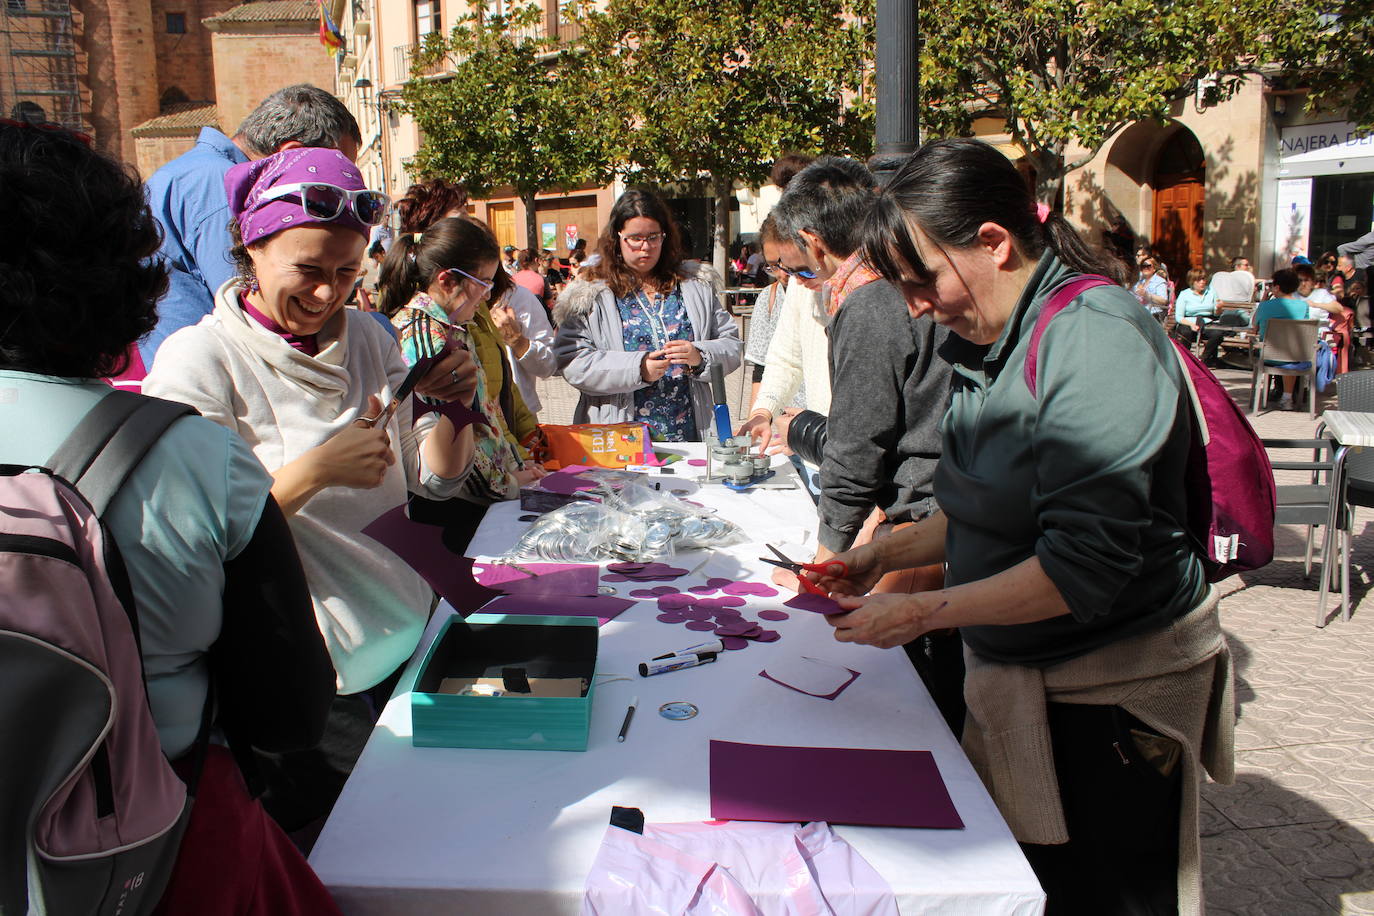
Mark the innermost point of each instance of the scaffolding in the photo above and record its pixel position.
(39, 77)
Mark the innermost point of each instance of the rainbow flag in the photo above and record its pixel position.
(330, 36)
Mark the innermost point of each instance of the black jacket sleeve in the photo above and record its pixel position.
(273, 678)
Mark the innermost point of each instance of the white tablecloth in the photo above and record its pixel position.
(436, 830)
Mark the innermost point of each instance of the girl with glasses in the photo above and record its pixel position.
(305, 381)
(434, 283)
(640, 330)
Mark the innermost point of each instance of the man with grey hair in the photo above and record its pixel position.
(188, 199)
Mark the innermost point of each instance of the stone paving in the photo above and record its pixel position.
(1295, 834)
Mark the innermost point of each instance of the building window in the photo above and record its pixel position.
(15, 6)
(427, 19)
(176, 23)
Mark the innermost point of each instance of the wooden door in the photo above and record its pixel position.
(572, 218)
(501, 218)
(1178, 226)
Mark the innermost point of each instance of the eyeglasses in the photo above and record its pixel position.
(642, 241)
(485, 284)
(801, 273)
(327, 201)
(1146, 265)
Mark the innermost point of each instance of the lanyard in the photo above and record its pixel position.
(655, 313)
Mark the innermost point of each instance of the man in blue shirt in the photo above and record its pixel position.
(188, 199)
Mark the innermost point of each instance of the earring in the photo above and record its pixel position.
(252, 284)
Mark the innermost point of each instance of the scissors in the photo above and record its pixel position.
(785, 562)
(412, 378)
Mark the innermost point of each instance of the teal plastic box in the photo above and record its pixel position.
(486, 645)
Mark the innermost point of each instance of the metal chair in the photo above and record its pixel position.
(1355, 391)
(1309, 504)
(1286, 341)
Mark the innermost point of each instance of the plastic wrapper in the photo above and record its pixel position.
(673, 523)
(584, 532)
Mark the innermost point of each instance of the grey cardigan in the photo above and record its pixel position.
(590, 346)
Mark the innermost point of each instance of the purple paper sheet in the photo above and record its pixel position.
(459, 415)
(819, 604)
(550, 579)
(879, 789)
(565, 484)
(603, 608)
(422, 548)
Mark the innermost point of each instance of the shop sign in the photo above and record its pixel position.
(1334, 140)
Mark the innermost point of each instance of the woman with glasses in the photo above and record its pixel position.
(305, 381)
(640, 330)
(1151, 290)
(1098, 679)
(439, 279)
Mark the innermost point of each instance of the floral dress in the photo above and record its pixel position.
(425, 330)
(648, 323)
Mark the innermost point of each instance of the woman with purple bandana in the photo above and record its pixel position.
(302, 379)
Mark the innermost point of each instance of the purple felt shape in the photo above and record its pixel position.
(696, 613)
(749, 588)
(625, 567)
(552, 579)
(817, 604)
(670, 618)
(565, 484)
(768, 636)
(731, 601)
(701, 625)
(422, 548)
(879, 789)
(735, 629)
(664, 590)
(734, 643)
(602, 607)
(666, 602)
(702, 589)
(697, 462)
(717, 582)
(615, 577)
(772, 615)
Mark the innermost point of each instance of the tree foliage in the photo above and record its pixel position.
(1331, 52)
(499, 106)
(1075, 71)
(714, 91)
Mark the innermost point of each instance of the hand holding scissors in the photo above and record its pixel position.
(834, 568)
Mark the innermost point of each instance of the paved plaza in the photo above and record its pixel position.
(1295, 834)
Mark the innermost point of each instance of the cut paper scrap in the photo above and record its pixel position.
(819, 604)
(814, 677)
(880, 788)
(551, 579)
(603, 608)
(422, 548)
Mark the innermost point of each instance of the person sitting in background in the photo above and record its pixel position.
(638, 335)
(219, 593)
(768, 308)
(1151, 290)
(305, 380)
(1286, 305)
(1194, 304)
(527, 276)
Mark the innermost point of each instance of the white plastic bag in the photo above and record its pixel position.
(733, 868)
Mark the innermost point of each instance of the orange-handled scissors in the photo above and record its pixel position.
(807, 585)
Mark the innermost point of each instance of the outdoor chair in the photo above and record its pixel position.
(1286, 341)
(1309, 504)
(1355, 392)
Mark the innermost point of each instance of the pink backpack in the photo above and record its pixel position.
(1229, 482)
(92, 812)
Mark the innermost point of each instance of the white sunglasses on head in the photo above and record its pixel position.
(326, 201)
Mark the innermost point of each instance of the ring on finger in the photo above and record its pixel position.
(453, 374)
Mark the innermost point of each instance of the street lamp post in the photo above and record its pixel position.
(363, 85)
(898, 72)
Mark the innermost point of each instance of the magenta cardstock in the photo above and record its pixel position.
(878, 788)
(552, 579)
(422, 548)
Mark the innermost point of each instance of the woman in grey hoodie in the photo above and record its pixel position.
(639, 332)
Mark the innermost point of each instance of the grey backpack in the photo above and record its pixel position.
(91, 813)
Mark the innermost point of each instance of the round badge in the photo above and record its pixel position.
(678, 711)
(605, 589)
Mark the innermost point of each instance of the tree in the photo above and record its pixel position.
(1333, 56)
(1076, 71)
(713, 91)
(505, 110)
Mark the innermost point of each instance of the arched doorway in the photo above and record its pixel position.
(1179, 192)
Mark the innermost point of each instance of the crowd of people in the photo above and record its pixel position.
(1025, 545)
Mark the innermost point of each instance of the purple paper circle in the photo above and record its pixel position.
(700, 625)
(770, 615)
(702, 589)
(669, 618)
(768, 636)
(696, 613)
(666, 602)
(643, 593)
(734, 629)
(697, 462)
(626, 567)
(615, 577)
(661, 590)
(731, 601)
(733, 642)
(717, 582)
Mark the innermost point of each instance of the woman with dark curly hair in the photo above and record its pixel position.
(640, 329)
(218, 586)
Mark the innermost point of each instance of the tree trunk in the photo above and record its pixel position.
(721, 189)
(531, 222)
(1049, 176)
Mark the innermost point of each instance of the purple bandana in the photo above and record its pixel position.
(248, 182)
